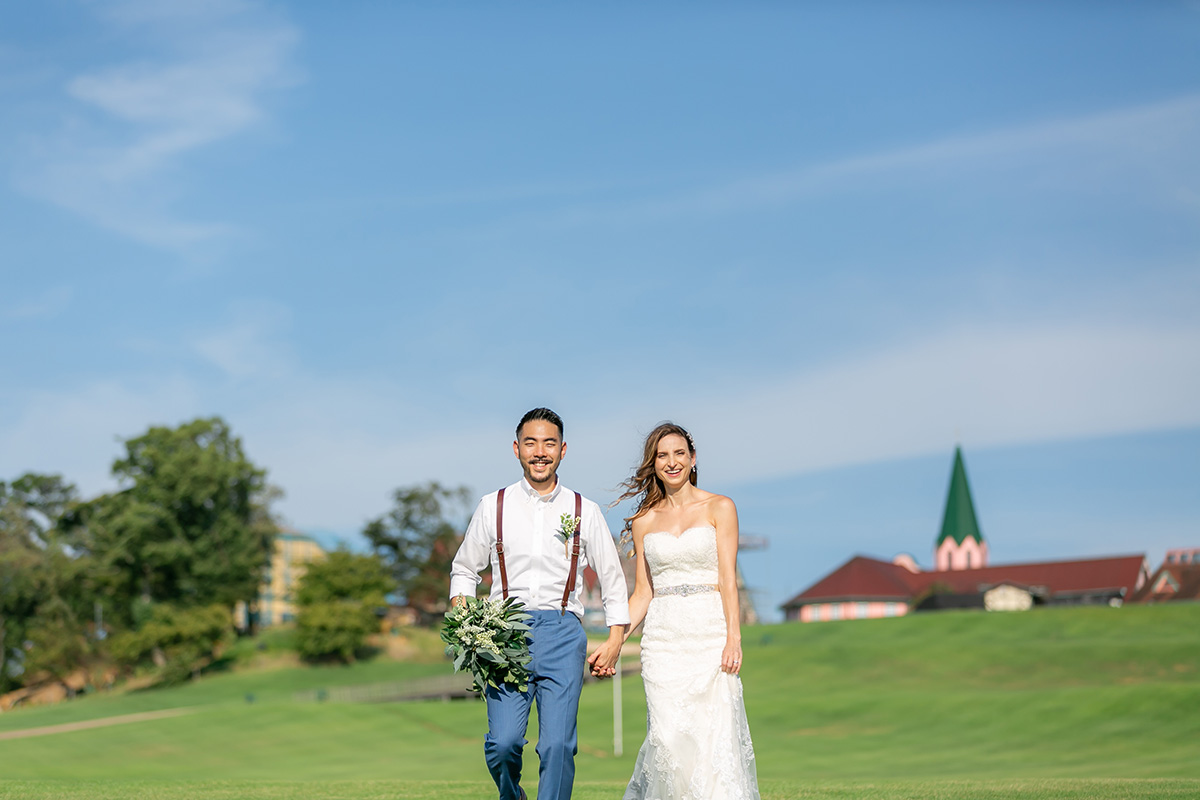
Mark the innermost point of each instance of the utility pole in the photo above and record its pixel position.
(618, 744)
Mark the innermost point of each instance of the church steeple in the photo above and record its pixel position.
(960, 545)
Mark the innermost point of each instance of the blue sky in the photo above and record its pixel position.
(831, 239)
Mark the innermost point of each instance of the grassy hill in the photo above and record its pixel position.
(1052, 697)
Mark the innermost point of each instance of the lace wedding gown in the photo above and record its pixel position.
(697, 739)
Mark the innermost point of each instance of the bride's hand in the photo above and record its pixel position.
(731, 658)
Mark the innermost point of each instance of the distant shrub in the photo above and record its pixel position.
(337, 600)
(337, 629)
(177, 642)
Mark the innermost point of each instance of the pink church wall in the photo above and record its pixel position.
(968, 555)
(826, 612)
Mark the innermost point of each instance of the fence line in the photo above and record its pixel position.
(438, 687)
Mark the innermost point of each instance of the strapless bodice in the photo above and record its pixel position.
(689, 558)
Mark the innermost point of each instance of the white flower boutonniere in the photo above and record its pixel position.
(567, 526)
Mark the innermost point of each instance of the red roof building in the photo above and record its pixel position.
(867, 587)
(1174, 580)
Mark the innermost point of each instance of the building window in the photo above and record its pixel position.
(860, 610)
(835, 610)
(889, 610)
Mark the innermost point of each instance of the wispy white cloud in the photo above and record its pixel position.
(207, 70)
(250, 345)
(995, 387)
(338, 443)
(47, 305)
(1165, 125)
(76, 431)
(1163, 130)
(991, 387)
(1151, 145)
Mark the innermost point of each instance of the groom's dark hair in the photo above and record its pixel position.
(543, 414)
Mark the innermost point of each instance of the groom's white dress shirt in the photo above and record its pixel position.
(535, 557)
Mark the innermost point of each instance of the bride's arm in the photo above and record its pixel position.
(725, 514)
(643, 590)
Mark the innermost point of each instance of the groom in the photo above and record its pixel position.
(517, 531)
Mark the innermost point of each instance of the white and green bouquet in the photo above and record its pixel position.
(487, 638)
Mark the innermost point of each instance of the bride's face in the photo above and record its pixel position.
(673, 461)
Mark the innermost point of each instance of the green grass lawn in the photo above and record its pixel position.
(1044, 789)
(1072, 703)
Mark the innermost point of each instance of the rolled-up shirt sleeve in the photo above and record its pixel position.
(474, 553)
(606, 561)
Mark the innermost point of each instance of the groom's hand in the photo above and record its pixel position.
(604, 660)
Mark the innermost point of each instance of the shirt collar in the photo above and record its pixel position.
(534, 495)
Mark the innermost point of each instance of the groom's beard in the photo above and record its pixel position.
(546, 477)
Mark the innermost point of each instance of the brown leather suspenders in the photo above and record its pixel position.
(500, 541)
(574, 552)
(574, 548)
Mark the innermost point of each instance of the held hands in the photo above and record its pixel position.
(731, 658)
(603, 660)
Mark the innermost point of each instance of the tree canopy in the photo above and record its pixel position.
(338, 599)
(191, 527)
(41, 585)
(418, 539)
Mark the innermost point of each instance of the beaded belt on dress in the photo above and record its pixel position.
(686, 589)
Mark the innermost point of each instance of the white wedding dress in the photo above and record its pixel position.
(697, 739)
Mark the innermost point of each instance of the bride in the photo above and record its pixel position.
(685, 540)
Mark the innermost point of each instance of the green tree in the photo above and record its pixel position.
(191, 528)
(337, 601)
(178, 641)
(40, 577)
(32, 505)
(418, 539)
(57, 644)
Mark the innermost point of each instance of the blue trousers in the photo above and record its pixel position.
(558, 646)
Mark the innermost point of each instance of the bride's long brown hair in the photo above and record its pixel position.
(644, 484)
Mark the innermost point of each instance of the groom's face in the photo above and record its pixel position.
(539, 448)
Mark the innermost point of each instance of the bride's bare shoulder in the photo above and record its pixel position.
(718, 506)
(641, 526)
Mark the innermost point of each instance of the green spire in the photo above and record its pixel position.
(959, 522)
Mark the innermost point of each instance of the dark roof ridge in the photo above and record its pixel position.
(1052, 561)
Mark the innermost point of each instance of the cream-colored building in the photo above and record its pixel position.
(277, 597)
